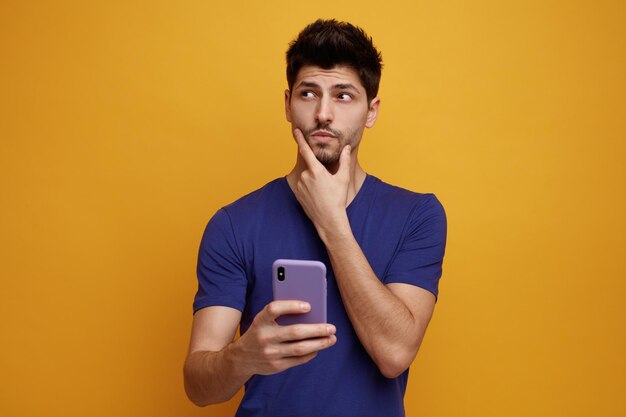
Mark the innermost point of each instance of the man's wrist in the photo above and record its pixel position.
(336, 230)
(236, 361)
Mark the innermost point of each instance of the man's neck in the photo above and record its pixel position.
(357, 176)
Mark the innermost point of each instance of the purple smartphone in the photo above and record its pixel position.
(294, 279)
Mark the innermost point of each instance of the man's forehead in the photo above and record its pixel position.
(340, 74)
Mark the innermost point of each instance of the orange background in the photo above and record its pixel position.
(125, 125)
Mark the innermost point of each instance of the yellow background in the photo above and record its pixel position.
(125, 125)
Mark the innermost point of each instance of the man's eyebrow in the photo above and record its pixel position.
(346, 86)
(310, 84)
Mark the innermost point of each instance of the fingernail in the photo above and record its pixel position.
(305, 306)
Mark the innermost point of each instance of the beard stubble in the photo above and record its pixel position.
(323, 151)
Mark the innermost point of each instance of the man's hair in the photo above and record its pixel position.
(329, 43)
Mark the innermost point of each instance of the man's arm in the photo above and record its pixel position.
(217, 367)
(390, 321)
(211, 374)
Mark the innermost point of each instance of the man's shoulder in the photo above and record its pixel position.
(393, 194)
(273, 192)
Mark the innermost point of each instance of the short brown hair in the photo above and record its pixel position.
(329, 43)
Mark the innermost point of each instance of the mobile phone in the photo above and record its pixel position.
(294, 279)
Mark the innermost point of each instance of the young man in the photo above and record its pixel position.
(383, 248)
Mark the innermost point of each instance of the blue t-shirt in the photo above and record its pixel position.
(401, 233)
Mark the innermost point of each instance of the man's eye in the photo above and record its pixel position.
(344, 97)
(307, 94)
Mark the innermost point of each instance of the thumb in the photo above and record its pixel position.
(344, 162)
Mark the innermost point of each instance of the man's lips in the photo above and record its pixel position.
(323, 134)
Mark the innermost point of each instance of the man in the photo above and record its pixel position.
(383, 247)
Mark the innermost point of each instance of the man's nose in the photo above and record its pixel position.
(325, 112)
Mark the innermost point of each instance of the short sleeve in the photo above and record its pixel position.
(221, 271)
(419, 258)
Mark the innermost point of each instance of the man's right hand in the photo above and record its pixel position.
(267, 348)
(216, 367)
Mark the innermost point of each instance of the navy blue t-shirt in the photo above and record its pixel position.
(401, 233)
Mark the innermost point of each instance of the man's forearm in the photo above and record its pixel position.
(383, 323)
(213, 377)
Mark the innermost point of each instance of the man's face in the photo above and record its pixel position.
(331, 109)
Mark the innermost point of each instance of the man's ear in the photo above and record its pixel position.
(287, 107)
(372, 112)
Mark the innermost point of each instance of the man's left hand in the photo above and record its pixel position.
(322, 195)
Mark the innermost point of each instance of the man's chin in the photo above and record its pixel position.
(327, 159)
